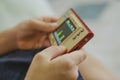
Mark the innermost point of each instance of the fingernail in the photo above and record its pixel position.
(62, 47)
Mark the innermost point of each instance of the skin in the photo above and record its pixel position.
(52, 63)
(49, 65)
(30, 34)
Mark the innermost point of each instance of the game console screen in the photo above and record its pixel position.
(64, 31)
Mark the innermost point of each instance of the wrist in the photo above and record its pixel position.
(7, 41)
(13, 38)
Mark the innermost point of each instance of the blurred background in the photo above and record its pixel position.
(102, 16)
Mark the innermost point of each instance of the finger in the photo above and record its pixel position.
(53, 52)
(77, 56)
(48, 19)
(47, 43)
(41, 41)
(42, 26)
(73, 73)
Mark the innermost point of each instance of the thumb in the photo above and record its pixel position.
(53, 52)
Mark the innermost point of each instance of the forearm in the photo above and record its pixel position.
(92, 69)
(7, 41)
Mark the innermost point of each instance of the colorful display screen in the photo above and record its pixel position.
(64, 31)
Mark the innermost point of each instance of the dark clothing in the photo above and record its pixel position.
(14, 65)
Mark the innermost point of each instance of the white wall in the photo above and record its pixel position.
(14, 11)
